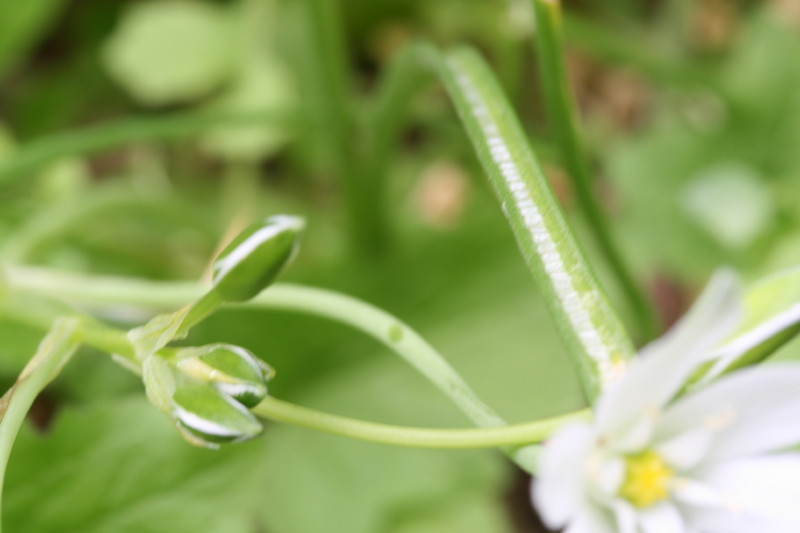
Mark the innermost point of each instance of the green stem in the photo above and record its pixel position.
(200, 309)
(26, 307)
(388, 330)
(563, 115)
(330, 72)
(368, 319)
(324, 70)
(53, 353)
(86, 141)
(510, 435)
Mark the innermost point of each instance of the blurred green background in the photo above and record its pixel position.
(136, 136)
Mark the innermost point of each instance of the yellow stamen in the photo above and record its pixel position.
(647, 479)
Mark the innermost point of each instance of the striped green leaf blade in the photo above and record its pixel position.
(589, 325)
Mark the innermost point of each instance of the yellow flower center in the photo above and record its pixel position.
(647, 479)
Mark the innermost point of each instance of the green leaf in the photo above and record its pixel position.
(166, 52)
(358, 487)
(121, 467)
(590, 327)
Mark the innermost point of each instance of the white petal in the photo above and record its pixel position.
(751, 411)
(765, 487)
(663, 366)
(560, 488)
(707, 521)
(626, 517)
(607, 475)
(590, 520)
(696, 494)
(637, 436)
(661, 518)
(732, 350)
(686, 450)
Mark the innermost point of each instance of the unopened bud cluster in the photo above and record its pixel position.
(208, 390)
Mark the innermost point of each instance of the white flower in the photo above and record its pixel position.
(718, 459)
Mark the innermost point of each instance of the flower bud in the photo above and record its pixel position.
(256, 256)
(204, 415)
(233, 370)
(208, 418)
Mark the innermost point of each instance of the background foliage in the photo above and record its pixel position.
(135, 136)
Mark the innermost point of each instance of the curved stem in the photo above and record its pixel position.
(527, 433)
(562, 112)
(51, 356)
(328, 304)
(22, 307)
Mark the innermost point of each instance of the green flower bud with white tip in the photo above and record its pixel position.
(203, 414)
(256, 256)
(208, 417)
(233, 370)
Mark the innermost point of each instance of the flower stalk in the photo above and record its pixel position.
(510, 435)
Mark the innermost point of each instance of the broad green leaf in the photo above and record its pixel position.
(170, 51)
(362, 488)
(121, 467)
(591, 329)
(468, 513)
(53, 353)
